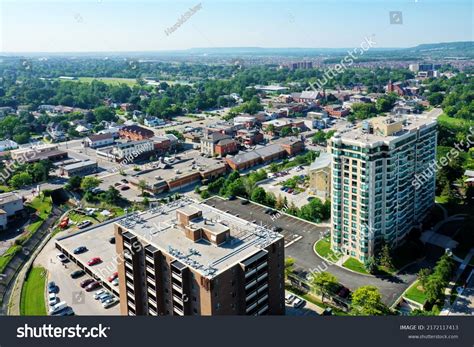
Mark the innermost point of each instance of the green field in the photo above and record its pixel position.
(33, 293)
(415, 293)
(43, 206)
(323, 249)
(355, 265)
(110, 80)
(455, 122)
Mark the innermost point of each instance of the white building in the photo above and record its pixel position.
(10, 205)
(383, 183)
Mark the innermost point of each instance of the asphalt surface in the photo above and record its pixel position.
(306, 260)
(464, 304)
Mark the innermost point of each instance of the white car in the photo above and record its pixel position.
(289, 298)
(108, 303)
(61, 257)
(53, 299)
(298, 303)
(115, 282)
(98, 293)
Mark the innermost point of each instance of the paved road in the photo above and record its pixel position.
(306, 260)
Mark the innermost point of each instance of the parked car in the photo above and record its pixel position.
(77, 273)
(244, 202)
(93, 285)
(124, 187)
(115, 282)
(53, 299)
(105, 297)
(109, 303)
(298, 303)
(94, 261)
(289, 298)
(343, 292)
(80, 249)
(124, 181)
(112, 240)
(62, 258)
(327, 311)
(84, 224)
(52, 288)
(67, 311)
(112, 277)
(98, 293)
(86, 282)
(58, 307)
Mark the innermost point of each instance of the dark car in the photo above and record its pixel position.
(343, 292)
(93, 285)
(232, 197)
(112, 240)
(52, 287)
(245, 202)
(77, 273)
(86, 282)
(80, 250)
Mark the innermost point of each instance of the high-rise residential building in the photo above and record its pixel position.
(382, 182)
(188, 258)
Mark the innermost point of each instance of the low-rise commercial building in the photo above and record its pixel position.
(81, 168)
(135, 133)
(99, 140)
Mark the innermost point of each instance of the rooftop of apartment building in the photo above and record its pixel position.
(206, 239)
(384, 130)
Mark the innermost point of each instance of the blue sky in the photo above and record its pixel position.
(125, 25)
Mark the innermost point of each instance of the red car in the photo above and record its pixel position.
(94, 261)
(86, 282)
(113, 276)
(92, 286)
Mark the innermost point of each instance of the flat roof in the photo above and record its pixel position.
(189, 163)
(159, 228)
(80, 164)
(411, 124)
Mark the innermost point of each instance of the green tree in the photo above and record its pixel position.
(104, 113)
(385, 257)
(371, 265)
(112, 196)
(423, 276)
(367, 301)
(20, 180)
(88, 183)
(289, 266)
(326, 282)
(259, 195)
(74, 183)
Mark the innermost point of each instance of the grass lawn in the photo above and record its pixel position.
(33, 293)
(110, 80)
(43, 207)
(455, 122)
(7, 256)
(323, 249)
(416, 293)
(5, 189)
(355, 265)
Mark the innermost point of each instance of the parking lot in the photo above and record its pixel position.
(306, 309)
(293, 229)
(96, 240)
(274, 186)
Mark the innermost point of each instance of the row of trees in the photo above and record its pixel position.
(434, 282)
(27, 174)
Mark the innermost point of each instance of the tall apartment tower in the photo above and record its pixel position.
(383, 182)
(187, 258)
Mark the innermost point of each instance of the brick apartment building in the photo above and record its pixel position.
(188, 258)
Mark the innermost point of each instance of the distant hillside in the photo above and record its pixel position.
(446, 49)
